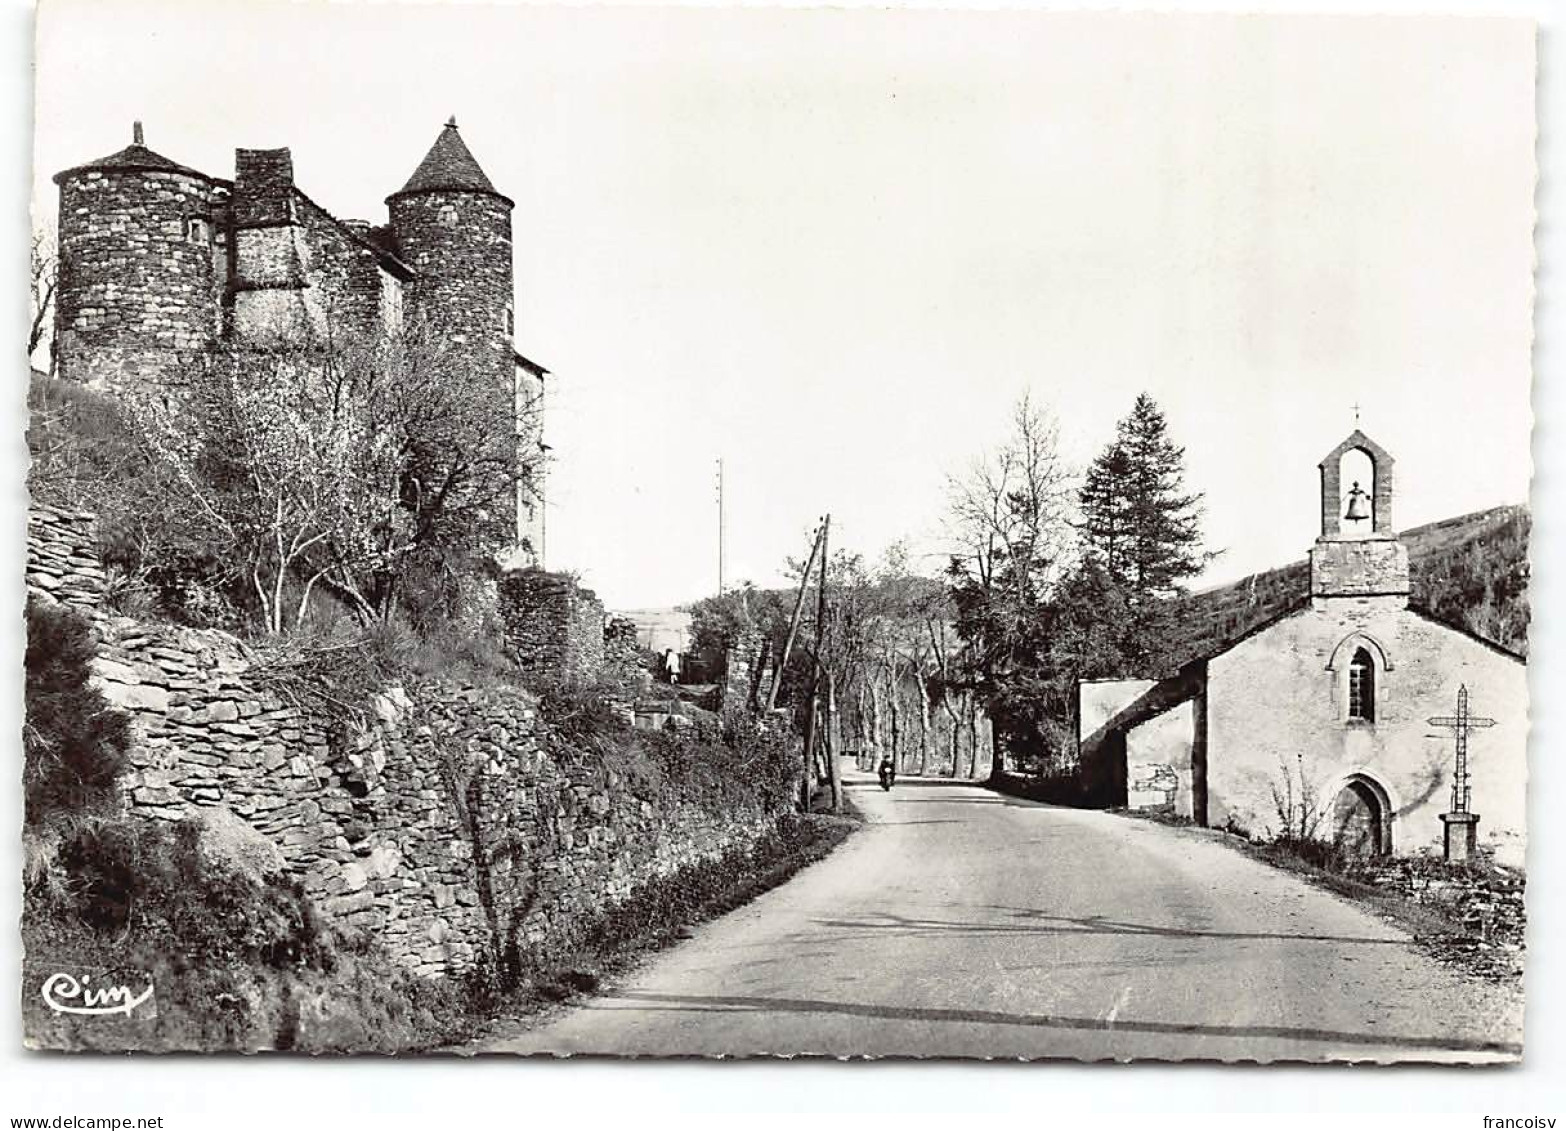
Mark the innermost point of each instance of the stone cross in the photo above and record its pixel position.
(1460, 822)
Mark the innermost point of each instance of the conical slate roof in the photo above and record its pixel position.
(135, 156)
(449, 166)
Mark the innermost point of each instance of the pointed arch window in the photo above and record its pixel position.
(1362, 687)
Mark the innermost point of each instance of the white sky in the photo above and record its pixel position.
(833, 247)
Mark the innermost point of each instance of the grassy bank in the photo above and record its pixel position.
(664, 914)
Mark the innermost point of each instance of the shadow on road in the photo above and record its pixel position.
(1039, 923)
(906, 782)
(952, 800)
(729, 1004)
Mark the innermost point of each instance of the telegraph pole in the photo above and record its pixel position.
(793, 621)
(829, 744)
(815, 667)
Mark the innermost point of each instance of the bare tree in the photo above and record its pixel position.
(1009, 523)
(328, 465)
(45, 279)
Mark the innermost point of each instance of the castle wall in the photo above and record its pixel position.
(296, 267)
(346, 279)
(135, 287)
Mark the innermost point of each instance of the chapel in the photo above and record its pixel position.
(1351, 717)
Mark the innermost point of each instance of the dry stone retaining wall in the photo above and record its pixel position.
(62, 558)
(552, 624)
(450, 822)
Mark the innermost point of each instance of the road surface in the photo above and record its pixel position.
(962, 923)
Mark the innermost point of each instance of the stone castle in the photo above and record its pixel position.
(159, 263)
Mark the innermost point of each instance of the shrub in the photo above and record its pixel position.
(127, 876)
(716, 763)
(238, 963)
(74, 745)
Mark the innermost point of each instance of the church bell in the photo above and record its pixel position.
(1358, 505)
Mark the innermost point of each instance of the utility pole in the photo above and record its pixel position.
(720, 526)
(830, 744)
(793, 621)
(815, 668)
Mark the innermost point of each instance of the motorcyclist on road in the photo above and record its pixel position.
(887, 772)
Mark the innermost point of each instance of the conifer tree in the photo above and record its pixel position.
(1138, 522)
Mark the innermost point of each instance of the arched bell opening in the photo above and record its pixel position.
(1357, 494)
(1356, 490)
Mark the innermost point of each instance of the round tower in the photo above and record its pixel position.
(138, 293)
(454, 229)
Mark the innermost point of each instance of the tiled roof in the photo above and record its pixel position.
(450, 166)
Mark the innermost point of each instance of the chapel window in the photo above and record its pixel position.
(1362, 687)
(195, 230)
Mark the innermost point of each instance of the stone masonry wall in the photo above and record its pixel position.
(1358, 568)
(131, 274)
(552, 624)
(62, 558)
(623, 654)
(448, 822)
(747, 656)
(449, 826)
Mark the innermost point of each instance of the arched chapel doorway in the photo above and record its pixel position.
(1361, 818)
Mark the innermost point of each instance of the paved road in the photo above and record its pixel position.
(963, 923)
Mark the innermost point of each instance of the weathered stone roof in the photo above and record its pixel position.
(134, 157)
(449, 166)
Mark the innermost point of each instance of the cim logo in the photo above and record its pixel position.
(80, 996)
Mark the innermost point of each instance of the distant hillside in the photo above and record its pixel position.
(1471, 571)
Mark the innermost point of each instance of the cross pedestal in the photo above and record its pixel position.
(1462, 840)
